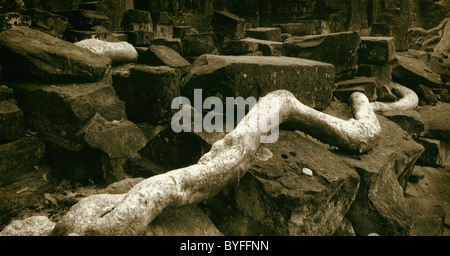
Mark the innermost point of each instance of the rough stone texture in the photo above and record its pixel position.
(346, 229)
(392, 25)
(52, 24)
(436, 120)
(381, 71)
(304, 28)
(408, 120)
(411, 72)
(32, 226)
(276, 198)
(12, 123)
(380, 206)
(181, 31)
(160, 55)
(84, 19)
(183, 221)
(30, 54)
(426, 95)
(435, 153)
(385, 94)
(269, 48)
(324, 48)
(270, 34)
(13, 19)
(368, 85)
(196, 45)
(231, 76)
(238, 47)
(147, 91)
(6, 93)
(137, 20)
(376, 50)
(96, 32)
(174, 43)
(140, 38)
(429, 201)
(19, 157)
(228, 25)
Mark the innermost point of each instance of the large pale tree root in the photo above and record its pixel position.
(227, 161)
(408, 100)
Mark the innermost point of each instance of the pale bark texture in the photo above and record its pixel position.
(408, 99)
(118, 52)
(228, 160)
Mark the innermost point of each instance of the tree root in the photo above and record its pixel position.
(228, 159)
(408, 100)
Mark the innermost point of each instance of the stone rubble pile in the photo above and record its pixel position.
(86, 96)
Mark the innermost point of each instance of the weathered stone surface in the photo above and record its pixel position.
(269, 48)
(51, 23)
(181, 31)
(12, 123)
(84, 19)
(304, 28)
(148, 91)
(346, 229)
(324, 48)
(263, 33)
(411, 72)
(235, 47)
(385, 94)
(118, 52)
(174, 43)
(380, 206)
(436, 120)
(435, 153)
(228, 25)
(196, 45)
(392, 25)
(376, 50)
(183, 221)
(381, 71)
(428, 198)
(30, 54)
(426, 95)
(32, 226)
(276, 198)
(96, 32)
(13, 19)
(163, 25)
(140, 38)
(408, 120)
(245, 76)
(137, 20)
(19, 157)
(6, 93)
(160, 55)
(367, 84)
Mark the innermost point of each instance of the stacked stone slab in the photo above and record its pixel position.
(163, 25)
(263, 33)
(304, 28)
(13, 19)
(138, 26)
(228, 25)
(19, 154)
(47, 22)
(376, 56)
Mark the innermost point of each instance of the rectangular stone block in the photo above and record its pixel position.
(12, 123)
(137, 20)
(140, 38)
(381, 71)
(311, 82)
(50, 23)
(228, 25)
(376, 50)
(366, 85)
(160, 55)
(271, 34)
(84, 19)
(269, 48)
(304, 28)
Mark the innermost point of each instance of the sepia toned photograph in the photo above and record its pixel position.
(238, 119)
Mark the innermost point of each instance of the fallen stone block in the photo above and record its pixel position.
(137, 20)
(118, 52)
(269, 48)
(376, 50)
(163, 25)
(385, 94)
(84, 19)
(263, 33)
(160, 55)
(304, 28)
(96, 32)
(13, 19)
(140, 38)
(174, 43)
(12, 123)
(392, 25)
(181, 31)
(323, 48)
(148, 91)
(435, 152)
(228, 25)
(411, 72)
(196, 45)
(366, 85)
(50, 23)
(245, 76)
(381, 71)
(380, 206)
(31, 226)
(436, 120)
(408, 120)
(48, 59)
(183, 221)
(19, 157)
(235, 47)
(426, 95)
